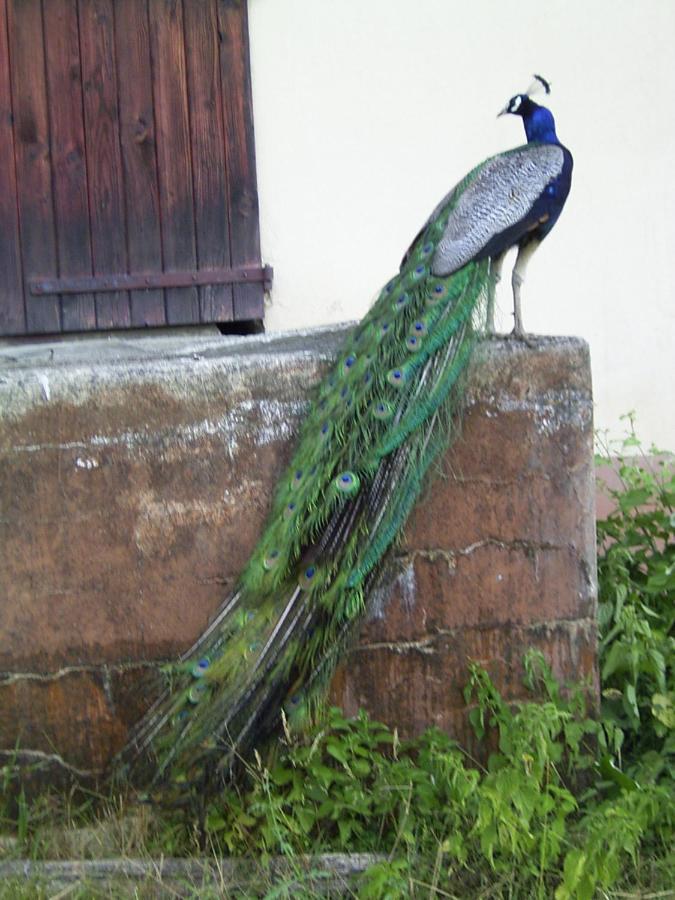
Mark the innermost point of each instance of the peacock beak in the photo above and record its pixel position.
(504, 111)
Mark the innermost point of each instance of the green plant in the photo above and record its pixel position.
(636, 611)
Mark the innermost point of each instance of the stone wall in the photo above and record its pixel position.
(134, 479)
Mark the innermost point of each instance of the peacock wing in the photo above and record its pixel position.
(495, 198)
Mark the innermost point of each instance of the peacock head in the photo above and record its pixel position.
(538, 120)
(520, 105)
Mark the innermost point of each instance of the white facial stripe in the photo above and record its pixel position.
(515, 104)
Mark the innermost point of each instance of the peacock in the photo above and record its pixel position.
(382, 415)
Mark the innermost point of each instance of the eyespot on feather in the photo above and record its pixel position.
(271, 560)
(401, 301)
(308, 578)
(348, 363)
(398, 376)
(437, 293)
(200, 667)
(297, 478)
(196, 693)
(382, 410)
(347, 482)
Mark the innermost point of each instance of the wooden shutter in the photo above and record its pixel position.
(128, 190)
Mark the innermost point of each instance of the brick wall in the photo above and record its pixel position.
(134, 479)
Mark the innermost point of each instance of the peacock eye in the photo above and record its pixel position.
(382, 410)
(397, 377)
(307, 578)
(271, 561)
(200, 667)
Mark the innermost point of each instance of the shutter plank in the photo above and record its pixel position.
(137, 127)
(33, 171)
(241, 174)
(12, 312)
(104, 163)
(69, 174)
(208, 154)
(173, 154)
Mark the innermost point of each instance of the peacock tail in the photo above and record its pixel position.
(383, 413)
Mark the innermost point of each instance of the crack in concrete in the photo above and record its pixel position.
(427, 644)
(424, 646)
(450, 555)
(105, 670)
(25, 757)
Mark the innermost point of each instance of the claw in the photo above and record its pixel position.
(523, 337)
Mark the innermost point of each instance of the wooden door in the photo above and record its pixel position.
(128, 190)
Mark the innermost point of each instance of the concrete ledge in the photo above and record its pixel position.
(330, 874)
(134, 479)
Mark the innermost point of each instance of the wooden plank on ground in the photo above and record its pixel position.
(241, 174)
(104, 159)
(12, 312)
(33, 170)
(173, 153)
(69, 173)
(208, 154)
(137, 128)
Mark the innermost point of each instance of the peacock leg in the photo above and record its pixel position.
(495, 278)
(525, 251)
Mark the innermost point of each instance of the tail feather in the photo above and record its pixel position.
(378, 421)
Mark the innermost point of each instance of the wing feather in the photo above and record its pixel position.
(502, 193)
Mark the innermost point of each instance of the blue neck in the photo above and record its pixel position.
(540, 125)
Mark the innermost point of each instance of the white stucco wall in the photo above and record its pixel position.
(368, 111)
